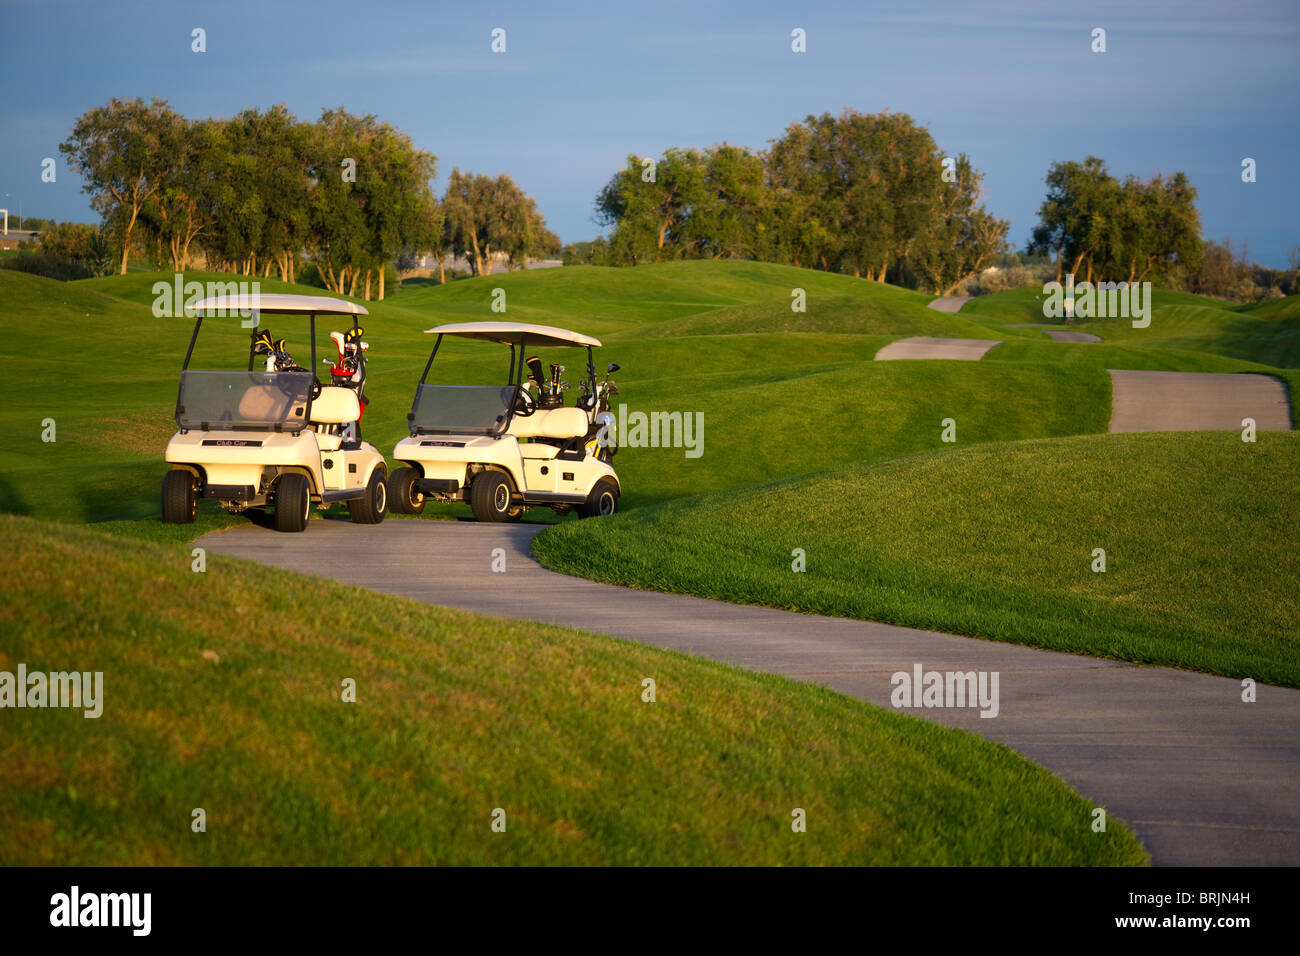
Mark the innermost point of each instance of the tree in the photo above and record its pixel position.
(1118, 231)
(1075, 219)
(121, 152)
(866, 194)
(369, 199)
(964, 237)
(80, 243)
(810, 184)
(486, 217)
(730, 219)
(650, 203)
(181, 209)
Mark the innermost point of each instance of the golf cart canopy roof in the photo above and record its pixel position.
(280, 303)
(512, 333)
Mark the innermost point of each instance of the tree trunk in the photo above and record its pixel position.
(1060, 251)
(367, 296)
(126, 238)
(382, 270)
(442, 271)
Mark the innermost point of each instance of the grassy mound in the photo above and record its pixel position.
(222, 690)
(1266, 333)
(1199, 529)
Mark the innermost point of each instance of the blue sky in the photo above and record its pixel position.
(1193, 86)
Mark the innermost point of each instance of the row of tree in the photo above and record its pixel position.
(259, 191)
(867, 195)
(1129, 230)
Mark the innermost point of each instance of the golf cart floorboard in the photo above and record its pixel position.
(343, 494)
(552, 497)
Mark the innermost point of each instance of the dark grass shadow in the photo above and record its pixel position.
(11, 500)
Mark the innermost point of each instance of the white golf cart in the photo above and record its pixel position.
(505, 449)
(274, 435)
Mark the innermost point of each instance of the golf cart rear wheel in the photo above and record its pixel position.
(372, 508)
(403, 497)
(292, 503)
(489, 496)
(602, 501)
(180, 499)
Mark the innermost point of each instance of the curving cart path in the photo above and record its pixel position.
(1203, 778)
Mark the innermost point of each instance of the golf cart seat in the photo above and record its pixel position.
(335, 405)
(266, 403)
(567, 422)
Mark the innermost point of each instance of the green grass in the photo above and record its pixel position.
(1266, 333)
(106, 371)
(996, 541)
(783, 393)
(460, 714)
(222, 691)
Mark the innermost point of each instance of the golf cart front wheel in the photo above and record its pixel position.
(403, 496)
(489, 496)
(292, 503)
(602, 502)
(180, 499)
(372, 508)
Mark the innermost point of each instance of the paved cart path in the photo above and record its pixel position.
(949, 303)
(926, 347)
(1202, 777)
(1060, 335)
(1057, 335)
(1195, 401)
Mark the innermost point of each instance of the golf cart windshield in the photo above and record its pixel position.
(462, 409)
(276, 401)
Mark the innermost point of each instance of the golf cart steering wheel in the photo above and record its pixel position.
(525, 403)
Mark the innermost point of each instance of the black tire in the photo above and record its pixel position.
(602, 502)
(372, 508)
(292, 502)
(489, 496)
(180, 497)
(403, 497)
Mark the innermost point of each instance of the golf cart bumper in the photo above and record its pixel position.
(443, 460)
(230, 492)
(438, 486)
(235, 460)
